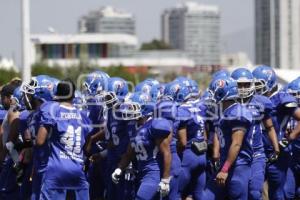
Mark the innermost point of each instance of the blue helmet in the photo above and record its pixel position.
(207, 95)
(144, 87)
(18, 97)
(95, 82)
(265, 79)
(293, 88)
(118, 86)
(183, 94)
(181, 78)
(151, 81)
(171, 90)
(224, 89)
(41, 87)
(194, 88)
(245, 82)
(144, 101)
(156, 92)
(78, 99)
(220, 74)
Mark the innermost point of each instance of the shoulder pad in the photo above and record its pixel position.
(160, 128)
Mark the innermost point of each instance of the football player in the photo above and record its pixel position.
(261, 108)
(152, 137)
(192, 142)
(236, 153)
(285, 107)
(35, 93)
(65, 129)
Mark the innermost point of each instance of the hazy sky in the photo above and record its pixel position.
(236, 25)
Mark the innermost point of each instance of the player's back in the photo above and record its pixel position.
(69, 130)
(144, 142)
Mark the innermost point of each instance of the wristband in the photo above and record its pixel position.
(226, 167)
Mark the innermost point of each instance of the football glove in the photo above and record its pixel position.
(273, 158)
(164, 186)
(284, 143)
(116, 175)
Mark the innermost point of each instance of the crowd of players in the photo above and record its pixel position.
(161, 141)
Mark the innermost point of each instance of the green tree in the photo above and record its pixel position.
(155, 45)
(7, 75)
(40, 68)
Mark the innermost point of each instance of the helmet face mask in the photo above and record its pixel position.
(295, 94)
(109, 98)
(28, 101)
(246, 88)
(260, 86)
(129, 111)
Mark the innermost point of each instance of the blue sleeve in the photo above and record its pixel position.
(183, 115)
(286, 98)
(160, 128)
(268, 106)
(287, 103)
(86, 124)
(48, 113)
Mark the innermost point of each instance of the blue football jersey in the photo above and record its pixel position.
(117, 134)
(284, 108)
(69, 129)
(168, 110)
(235, 117)
(261, 108)
(192, 117)
(143, 142)
(40, 154)
(95, 112)
(2, 115)
(296, 143)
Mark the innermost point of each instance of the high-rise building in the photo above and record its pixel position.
(107, 20)
(277, 33)
(195, 29)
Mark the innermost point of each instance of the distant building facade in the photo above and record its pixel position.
(107, 20)
(235, 59)
(64, 49)
(195, 29)
(277, 33)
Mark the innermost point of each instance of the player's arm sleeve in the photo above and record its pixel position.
(47, 114)
(183, 115)
(161, 128)
(268, 108)
(288, 102)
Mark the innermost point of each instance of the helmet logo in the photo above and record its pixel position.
(50, 86)
(221, 84)
(268, 72)
(118, 85)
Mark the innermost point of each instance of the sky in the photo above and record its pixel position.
(237, 20)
